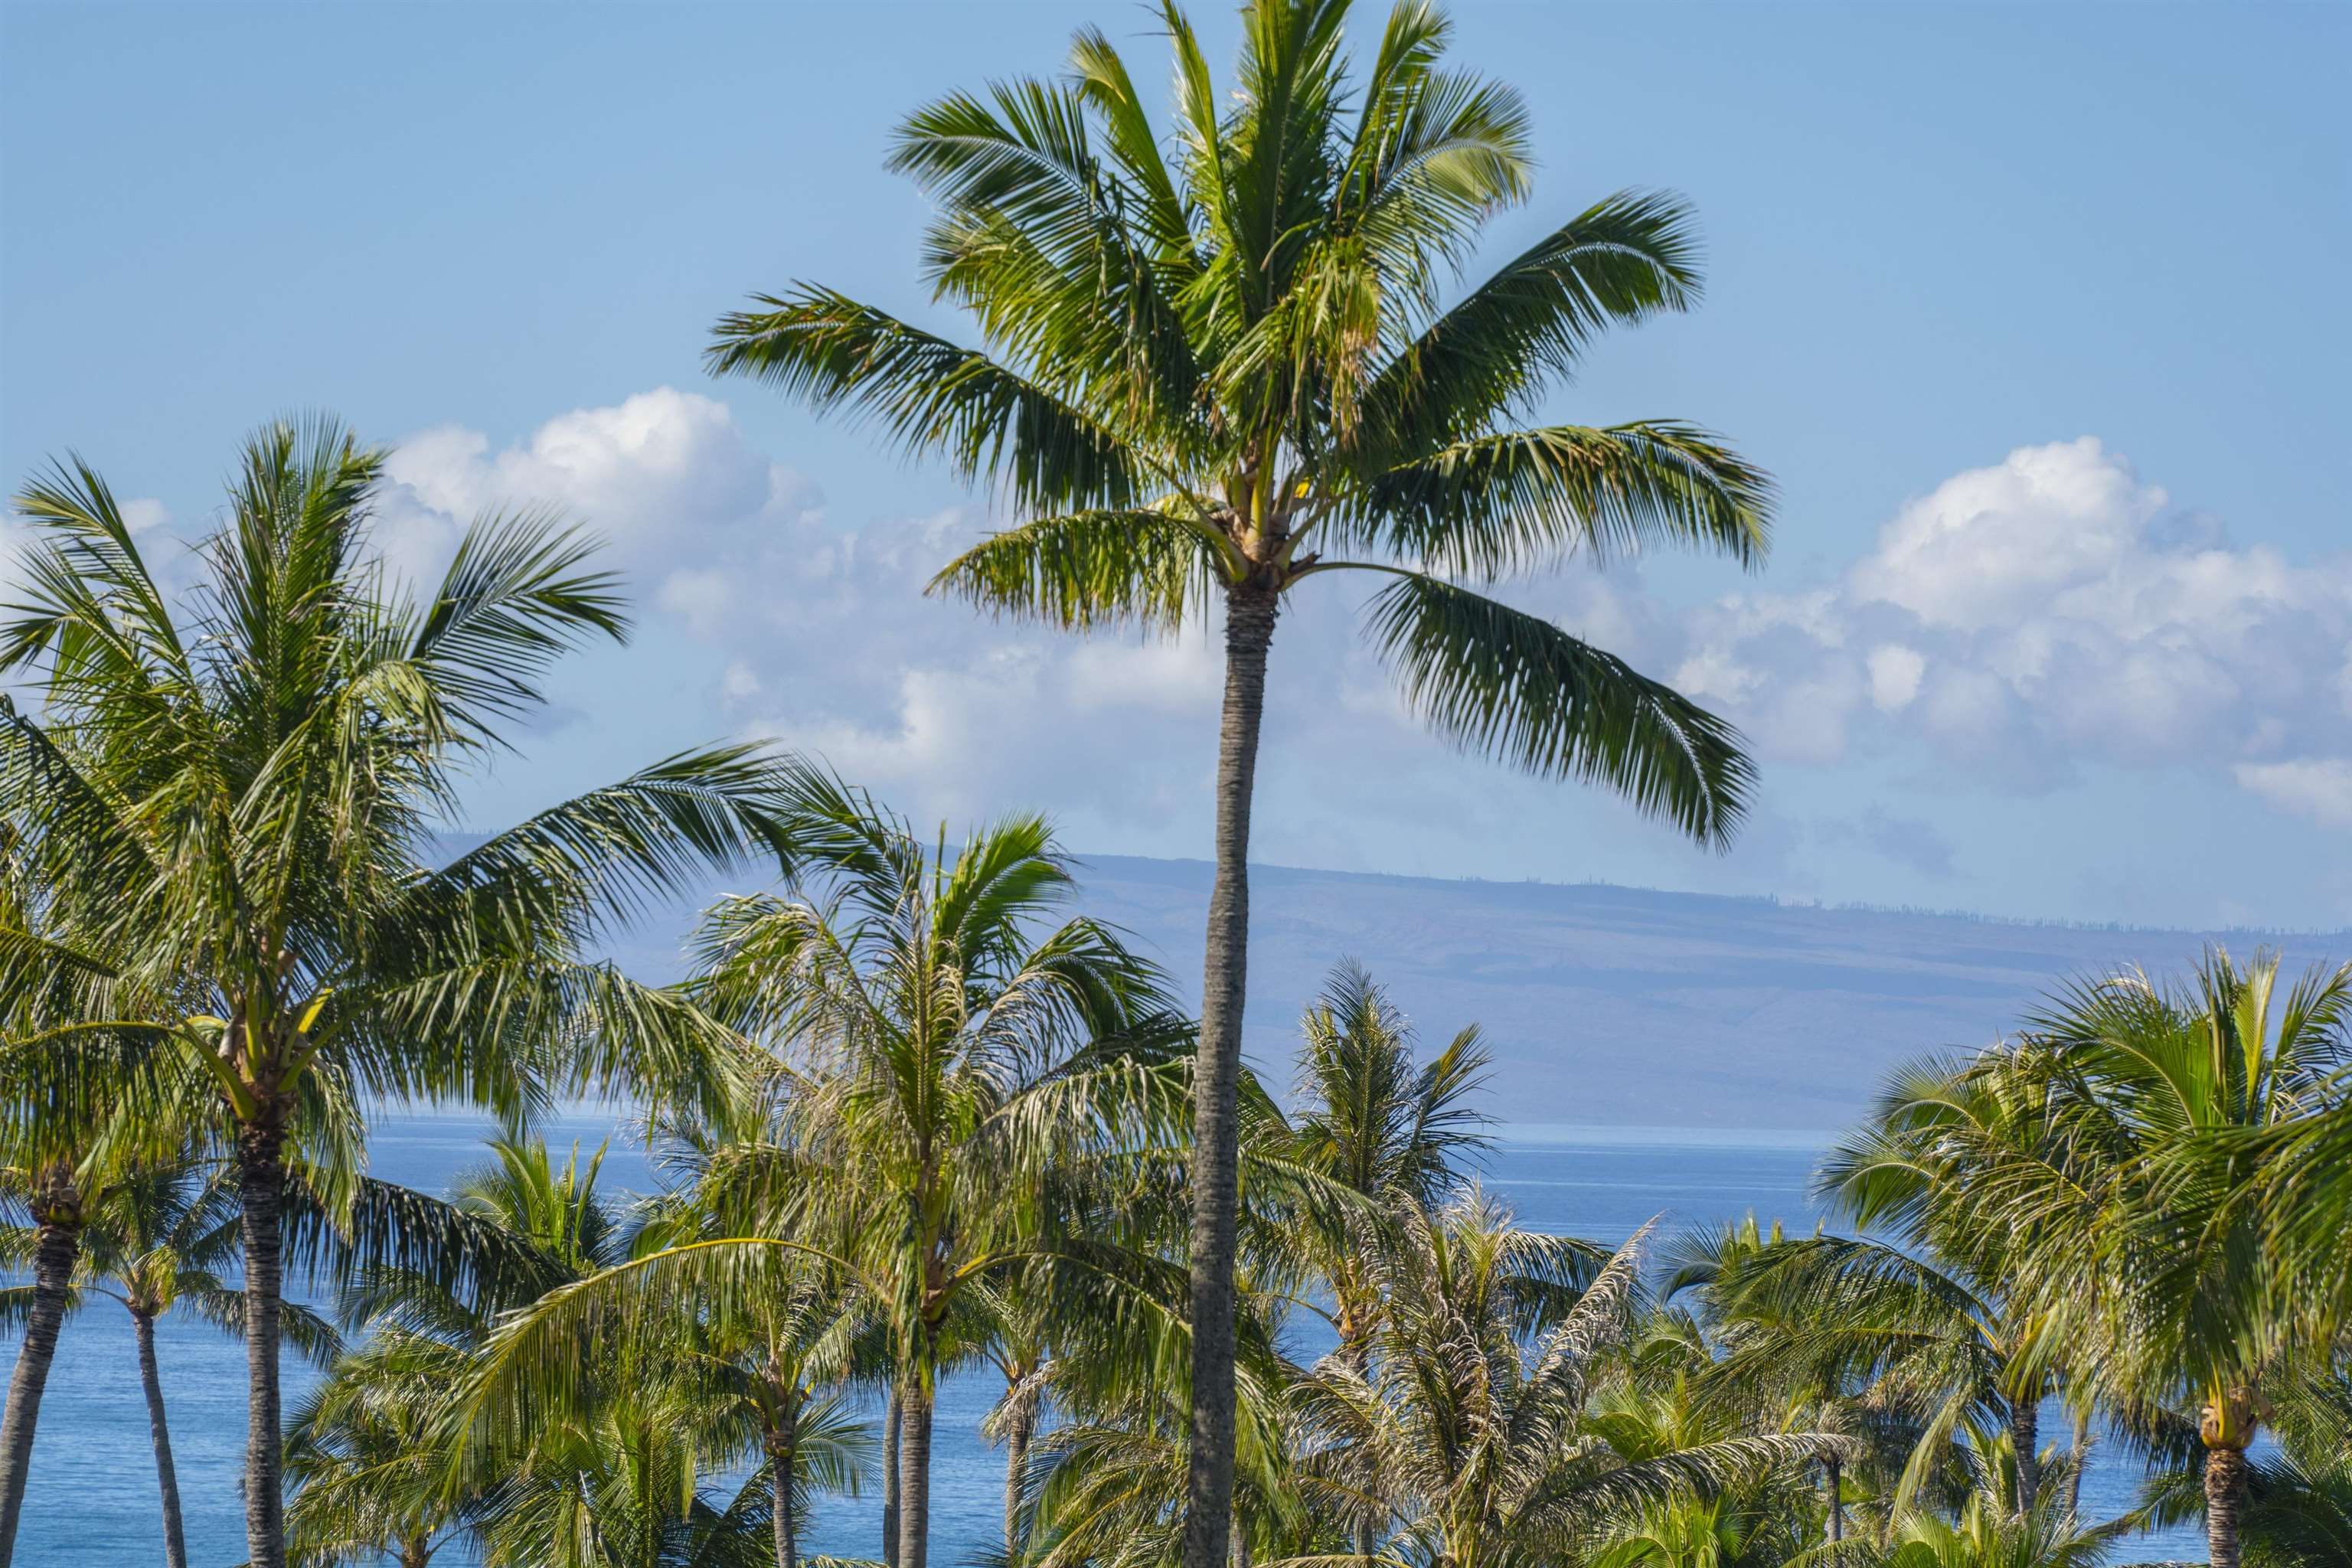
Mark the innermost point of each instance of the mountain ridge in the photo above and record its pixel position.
(1609, 1005)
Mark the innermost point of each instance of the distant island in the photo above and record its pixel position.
(1609, 1006)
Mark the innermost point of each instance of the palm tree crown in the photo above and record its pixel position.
(233, 804)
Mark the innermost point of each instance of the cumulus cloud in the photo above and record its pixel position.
(2046, 611)
(2015, 620)
(825, 638)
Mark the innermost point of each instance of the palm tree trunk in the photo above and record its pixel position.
(56, 1245)
(914, 1475)
(261, 1190)
(2225, 1499)
(415, 1552)
(1833, 1483)
(2025, 1440)
(891, 1425)
(783, 1446)
(1020, 1425)
(2082, 1461)
(175, 1545)
(1355, 1353)
(1250, 613)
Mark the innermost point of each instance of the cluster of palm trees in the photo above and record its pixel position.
(2137, 1207)
(916, 1116)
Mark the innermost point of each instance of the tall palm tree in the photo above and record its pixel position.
(52, 1194)
(235, 801)
(1210, 377)
(951, 1085)
(2114, 1158)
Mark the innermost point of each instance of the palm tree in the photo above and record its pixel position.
(950, 1087)
(1373, 1122)
(1952, 1287)
(2299, 1497)
(619, 1486)
(2118, 1153)
(363, 1452)
(1469, 1442)
(768, 1361)
(54, 1161)
(1019, 1340)
(53, 1195)
(153, 1239)
(1658, 1404)
(428, 1279)
(1209, 378)
(234, 804)
(1851, 1319)
(1380, 1126)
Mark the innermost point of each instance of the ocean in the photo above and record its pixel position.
(91, 1500)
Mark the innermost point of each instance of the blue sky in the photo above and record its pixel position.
(2036, 312)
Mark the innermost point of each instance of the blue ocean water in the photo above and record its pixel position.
(92, 1503)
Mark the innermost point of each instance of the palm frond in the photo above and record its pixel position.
(1498, 680)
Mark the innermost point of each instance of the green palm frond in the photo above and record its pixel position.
(928, 396)
(1493, 353)
(1494, 505)
(1148, 569)
(1498, 680)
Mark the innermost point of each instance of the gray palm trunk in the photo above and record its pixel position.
(2082, 1461)
(2225, 1501)
(783, 1452)
(1833, 1488)
(167, 1476)
(1020, 1427)
(55, 1248)
(1250, 612)
(261, 1190)
(2025, 1438)
(891, 1425)
(914, 1477)
(1356, 1354)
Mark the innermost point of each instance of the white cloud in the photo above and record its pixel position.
(2015, 620)
(1980, 549)
(826, 639)
(2319, 787)
(2044, 612)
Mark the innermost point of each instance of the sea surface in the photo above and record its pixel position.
(92, 1498)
